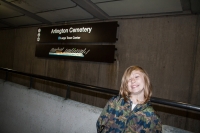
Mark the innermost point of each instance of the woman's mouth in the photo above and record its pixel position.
(134, 86)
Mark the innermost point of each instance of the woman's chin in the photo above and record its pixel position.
(136, 92)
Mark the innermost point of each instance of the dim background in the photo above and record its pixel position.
(167, 47)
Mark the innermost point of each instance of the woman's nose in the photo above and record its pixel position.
(132, 80)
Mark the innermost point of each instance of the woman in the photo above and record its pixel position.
(130, 112)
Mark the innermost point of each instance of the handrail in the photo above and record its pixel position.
(106, 90)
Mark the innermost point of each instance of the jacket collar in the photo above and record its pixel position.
(138, 107)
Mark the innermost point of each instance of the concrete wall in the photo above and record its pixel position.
(167, 47)
(24, 110)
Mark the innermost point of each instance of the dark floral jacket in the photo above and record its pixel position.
(117, 117)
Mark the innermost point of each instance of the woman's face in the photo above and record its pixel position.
(136, 83)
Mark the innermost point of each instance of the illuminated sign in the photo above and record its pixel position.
(97, 53)
(90, 33)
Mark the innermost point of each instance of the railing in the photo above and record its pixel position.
(100, 89)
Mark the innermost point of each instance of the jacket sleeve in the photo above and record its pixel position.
(104, 117)
(156, 125)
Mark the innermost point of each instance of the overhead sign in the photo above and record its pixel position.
(98, 53)
(90, 33)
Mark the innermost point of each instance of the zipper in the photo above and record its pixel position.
(129, 115)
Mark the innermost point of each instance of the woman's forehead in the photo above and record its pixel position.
(135, 72)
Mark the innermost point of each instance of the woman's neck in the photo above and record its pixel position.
(137, 99)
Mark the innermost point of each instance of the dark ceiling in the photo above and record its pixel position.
(21, 13)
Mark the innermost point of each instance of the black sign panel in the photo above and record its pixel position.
(98, 53)
(90, 32)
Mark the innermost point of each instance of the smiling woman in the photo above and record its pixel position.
(131, 110)
(136, 85)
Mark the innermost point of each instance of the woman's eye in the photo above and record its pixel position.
(130, 80)
(136, 77)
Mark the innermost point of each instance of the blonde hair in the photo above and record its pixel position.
(125, 93)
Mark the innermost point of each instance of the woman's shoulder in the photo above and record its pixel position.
(115, 99)
(150, 112)
(148, 109)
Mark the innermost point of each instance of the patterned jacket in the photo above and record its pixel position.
(117, 117)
